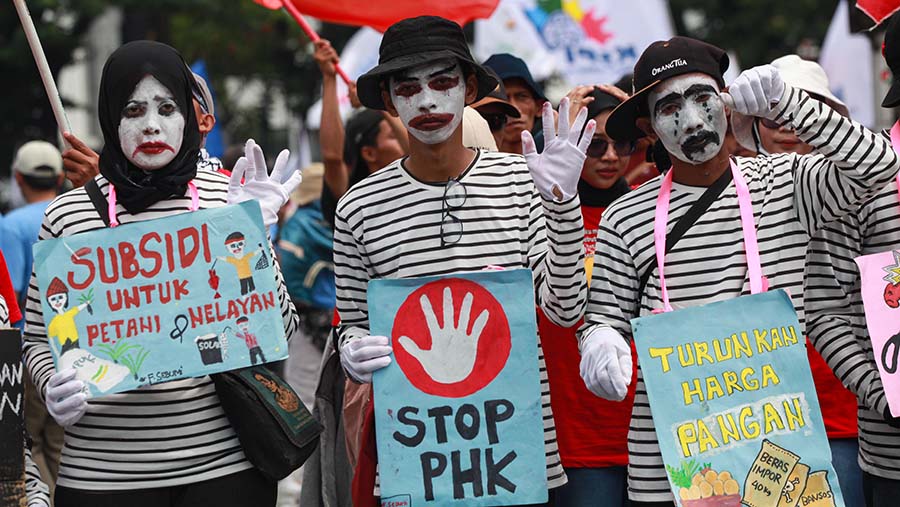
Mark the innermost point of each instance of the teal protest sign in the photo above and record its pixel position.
(734, 405)
(458, 412)
(160, 300)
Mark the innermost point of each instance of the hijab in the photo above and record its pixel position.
(137, 189)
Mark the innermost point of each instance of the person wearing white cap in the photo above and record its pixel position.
(38, 170)
(768, 138)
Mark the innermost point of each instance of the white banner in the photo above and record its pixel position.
(581, 41)
(847, 59)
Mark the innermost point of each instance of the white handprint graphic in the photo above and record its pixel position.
(453, 351)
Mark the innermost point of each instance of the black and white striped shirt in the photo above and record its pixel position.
(792, 196)
(156, 436)
(837, 323)
(388, 226)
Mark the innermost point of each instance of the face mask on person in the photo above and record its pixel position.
(430, 99)
(151, 128)
(689, 117)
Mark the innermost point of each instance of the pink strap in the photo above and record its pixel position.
(111, 201)
(895, 143)
(758, 282)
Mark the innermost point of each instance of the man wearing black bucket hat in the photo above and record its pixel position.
(837, 322)
(677, 96)
(447, 209)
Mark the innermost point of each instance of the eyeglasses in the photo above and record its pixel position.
(769, 124)
(598, 148)
(495, 121)
(455, 196)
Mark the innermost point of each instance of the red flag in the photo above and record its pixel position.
(380, 15)
(878, 10)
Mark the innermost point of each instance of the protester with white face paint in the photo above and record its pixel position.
(168, 444)
(458, 209)
(678, 84)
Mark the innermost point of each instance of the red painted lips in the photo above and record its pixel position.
(428, 122)
(153, 148)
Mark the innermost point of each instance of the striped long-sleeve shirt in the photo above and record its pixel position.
(837, 322)
(155, 436)
(792, 197)
(388, 226)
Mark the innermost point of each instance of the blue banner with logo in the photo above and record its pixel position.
(159, 300)
(734, 405)
(458, 411)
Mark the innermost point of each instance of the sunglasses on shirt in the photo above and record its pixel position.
(598, 148)
(495, 121)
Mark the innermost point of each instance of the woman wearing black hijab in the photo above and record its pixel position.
(166, 444)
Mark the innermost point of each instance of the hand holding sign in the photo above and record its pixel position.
(270, 191)
(66, 400)
(453, 351)
(606, 364)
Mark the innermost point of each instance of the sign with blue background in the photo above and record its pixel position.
(734, 405)
(159, 300)
(458, 412)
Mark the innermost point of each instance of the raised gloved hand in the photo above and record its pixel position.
(362, 356)
(556, 171)
(66, 400)
(606, 364)
(271, 192)
(453, 351)
(755, 91)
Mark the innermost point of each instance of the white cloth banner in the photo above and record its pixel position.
(847, 59)
(581, 41)
(359, 55)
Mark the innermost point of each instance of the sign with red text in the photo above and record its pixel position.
(458, 416)
(734, 405)
(159, 300)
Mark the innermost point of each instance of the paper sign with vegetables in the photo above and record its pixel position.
(734, 405)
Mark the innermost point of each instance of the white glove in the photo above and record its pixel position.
(362, 356)
(606, 364)
(66, 400)
(271, 192)
(454, 349)
(556, 171)
(755, 91)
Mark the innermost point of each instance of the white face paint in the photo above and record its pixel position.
(689, 117)
(152, 127)
(430, 100)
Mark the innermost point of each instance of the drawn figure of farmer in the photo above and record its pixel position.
(63, 324)
(241, 261)
(243, 324)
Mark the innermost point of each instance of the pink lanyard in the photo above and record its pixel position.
(758, 283)
(111, 201)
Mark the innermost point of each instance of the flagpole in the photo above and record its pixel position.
(43, 68)
(313, 36)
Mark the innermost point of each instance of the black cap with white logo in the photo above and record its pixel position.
(660, 61)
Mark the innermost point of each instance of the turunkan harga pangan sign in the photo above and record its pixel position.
(458, 412)
(161, 300)
(734, 405)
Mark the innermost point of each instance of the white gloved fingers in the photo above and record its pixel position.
(587, 137)
(64, 390)
(373, 365)
(528, 146)
(612, 380)
(760, 102)
(777, 88)
(61, 377)
(739, 93)
(371, 352)
(727, 99)
(293, 182)
(563, 130)
(626, 366)
(548, 124)
(261, 173)
(250, 172)
(237, 176)
(280, 172)
(577, 125)
(72, 404)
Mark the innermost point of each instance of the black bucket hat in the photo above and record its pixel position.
(413, 42)
(660, 61)
(891, 52)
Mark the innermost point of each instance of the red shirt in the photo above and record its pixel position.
(838, 404)
(591, 432)
(8, 293)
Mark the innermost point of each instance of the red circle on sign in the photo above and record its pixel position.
(493, 345)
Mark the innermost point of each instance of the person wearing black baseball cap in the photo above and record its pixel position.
(836, 317)
(524, 93)
(448, 209)
(679, 96)
(496, 109)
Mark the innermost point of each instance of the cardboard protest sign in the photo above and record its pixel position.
(734, 405)
(880, 286)
(458, 412)
(160, 300)
(12, 419)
